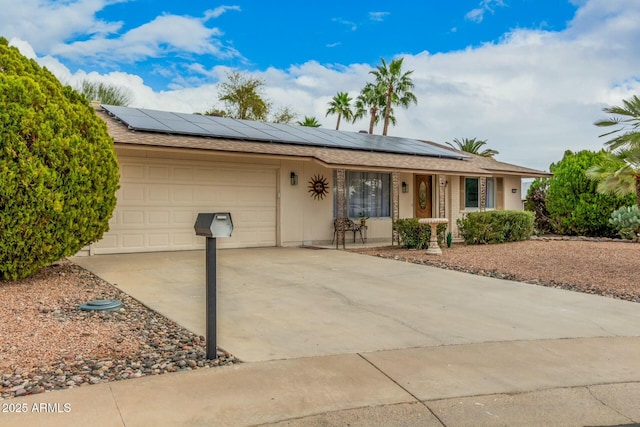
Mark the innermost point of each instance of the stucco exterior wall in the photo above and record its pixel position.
(304, 220)
(512, 201)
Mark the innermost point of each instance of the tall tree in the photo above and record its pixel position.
(473, 146)
(242, 97)
(283, 115)
(105, 93)
(627, 119)
(621, 174)
(398, 86)
(310, 122)
(369, 102)
(341, 105)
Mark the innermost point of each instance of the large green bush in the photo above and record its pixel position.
(496, 227)
(414, 235)
(58, 168)
(575, 207)
(626, 221)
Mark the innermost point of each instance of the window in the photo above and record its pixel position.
(368, 193)
(472, 193)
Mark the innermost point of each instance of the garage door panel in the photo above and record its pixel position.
(158, 203)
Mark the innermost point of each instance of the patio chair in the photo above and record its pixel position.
(348, 226)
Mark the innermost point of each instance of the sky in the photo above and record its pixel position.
(528, 76)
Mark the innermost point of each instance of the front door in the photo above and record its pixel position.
(422, 196)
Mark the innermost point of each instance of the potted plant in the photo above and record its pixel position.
(363, 219)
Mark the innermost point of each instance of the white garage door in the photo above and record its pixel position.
(158, 202)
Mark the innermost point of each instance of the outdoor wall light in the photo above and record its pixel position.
(294, 178)
(514, 190)
(405, 187)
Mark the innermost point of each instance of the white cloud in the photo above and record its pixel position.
(533, 94)
(215, 13)
(165, 34)
(349, 24)
(48, 25)
(378, 16)
(477, 14)
(45, 23)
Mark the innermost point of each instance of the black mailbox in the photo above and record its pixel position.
(211, 226)
(217, 224)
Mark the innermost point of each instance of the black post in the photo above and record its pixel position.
(212, 352)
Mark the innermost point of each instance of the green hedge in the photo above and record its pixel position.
(496, 227)
(414, 235)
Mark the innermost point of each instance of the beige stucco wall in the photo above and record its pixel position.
(304, 220)
(512, 201)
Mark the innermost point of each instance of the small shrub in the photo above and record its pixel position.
(414, 235)
(627, 221)
(496, 227)
(535, 202)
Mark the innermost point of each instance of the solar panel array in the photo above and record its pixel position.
(219, 127)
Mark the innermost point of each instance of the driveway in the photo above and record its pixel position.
(283, 303)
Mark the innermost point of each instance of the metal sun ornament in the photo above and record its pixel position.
(318, 187)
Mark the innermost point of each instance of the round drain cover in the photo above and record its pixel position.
(101, 305)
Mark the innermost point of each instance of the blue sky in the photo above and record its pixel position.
(529, 76)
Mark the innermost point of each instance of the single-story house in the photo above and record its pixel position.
(283, 183)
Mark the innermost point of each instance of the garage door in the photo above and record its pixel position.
(158, 202)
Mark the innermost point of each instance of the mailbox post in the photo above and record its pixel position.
(211, 226)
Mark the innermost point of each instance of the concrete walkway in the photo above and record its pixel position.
(344, 339)
(577, 382)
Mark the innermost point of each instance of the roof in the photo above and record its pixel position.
(142, 119)
(332, 157)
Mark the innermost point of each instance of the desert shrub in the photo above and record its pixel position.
(626, 221)
(496, 227)
(575, 207)
(414, 235)
(536, 203)
(58, 168)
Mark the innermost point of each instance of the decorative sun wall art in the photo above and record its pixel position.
(318, 187)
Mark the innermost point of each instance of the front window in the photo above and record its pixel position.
(472, 193)
(368, 193)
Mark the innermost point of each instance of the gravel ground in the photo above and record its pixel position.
(48, 343)
(608, 268)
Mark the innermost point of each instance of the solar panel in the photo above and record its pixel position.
(212, 126)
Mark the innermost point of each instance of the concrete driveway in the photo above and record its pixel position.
(283, 303)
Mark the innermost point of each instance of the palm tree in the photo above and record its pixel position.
(397, 87)
(628, 122)
(473, 146)
(620, 175)
(341, 105)
(369, 101)
(310, 122)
